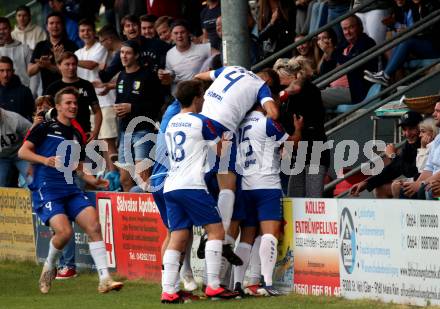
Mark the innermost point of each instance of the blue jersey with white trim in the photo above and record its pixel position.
(258, 152)
(188, 137)
(232, 94)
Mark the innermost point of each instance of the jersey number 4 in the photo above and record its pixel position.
(176, 141)
(233, 77)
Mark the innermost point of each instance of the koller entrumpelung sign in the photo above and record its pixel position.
(390, 252)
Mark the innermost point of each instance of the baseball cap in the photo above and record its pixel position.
(410, 119)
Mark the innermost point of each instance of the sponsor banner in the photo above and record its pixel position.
(316, 246)
(133, 233)
(283, 274)
(16, 231)
(390, 252)
(43, 234)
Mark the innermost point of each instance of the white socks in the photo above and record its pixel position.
(213, 255)
(268, 256)
(255, 263)
(52, 256)
(170, 274)
(225, 204)
(243, 250)
(99, 255)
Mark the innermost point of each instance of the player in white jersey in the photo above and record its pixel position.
(188, 136)
(231, 95)
(260, 140)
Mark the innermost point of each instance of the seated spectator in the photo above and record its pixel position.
(428, 131)
(14, 96)
(163, 28)
(425, 45)
(26, 32)
(326, 42)
(400, 16)
(350, 88)
(307, 50)
(147, 26)
(13, 129)
(403, 163)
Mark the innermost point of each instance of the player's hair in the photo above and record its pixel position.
(66, 90)
(6, 59)
(87, 22)
(4, 20)
(148, 18)
(188, 90)
(66, 55)
(109, 31)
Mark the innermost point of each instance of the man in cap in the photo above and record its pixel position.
(403, 163)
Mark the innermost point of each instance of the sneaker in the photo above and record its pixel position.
(108, 285)
(377, 78)
(188, 296)
(269, 290)
(66, 273)
(202, 245)
(252, 290)
(230, 256)
(220, 293)
(46, 278)
(189, 284)
(238, 289)
(173, 298)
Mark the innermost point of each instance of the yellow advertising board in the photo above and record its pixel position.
(16, 229)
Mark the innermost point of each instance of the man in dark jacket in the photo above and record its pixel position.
(350, 88)
(401, 164)
(14, 96)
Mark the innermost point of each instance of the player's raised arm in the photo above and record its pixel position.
(204, 76)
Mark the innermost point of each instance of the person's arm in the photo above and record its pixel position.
(88, 64)
(97, 114)
(112, 69)
(264, 96)
(27, 152)
(204, 76)
(97, 183)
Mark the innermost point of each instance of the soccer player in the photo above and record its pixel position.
(56, 199)
(260, 140)
(187, 201)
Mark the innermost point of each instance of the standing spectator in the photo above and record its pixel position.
(185, 59)
(338, 8)
(70, 24)
(19, 53)
(208, 17)
(108, 37)
(89, 58)
(163, 28)
(276, 25)
(147, 26)
(372, 17)
(14, 96)
(13, 129)
(45, 52)
(350, 88)
(136, 95)
(25, 31)
(67, 65)
(302, 7)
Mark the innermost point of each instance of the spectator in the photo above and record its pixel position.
(14, 96)
(400, 16)
(45, 52)
(43, 104)
(401, 164)
(301, 15)
(337, 8)
(152, 51)
(428, 131)
(326, 42)
(70, 24)
(423, 46)
(308, 50)
(276, 25)
(304, 101)
(284, 71)
(350, 88)
(13, 129)
(163, 28)
(89, 58)
(67, 65)
(372, 17)
(25, 31)
(19, 53)
(208, 18)
(147, 26)
(109, 39)
(184, 60)
(136, 95)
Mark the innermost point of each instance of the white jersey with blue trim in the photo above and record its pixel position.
(188, 137)
(258, 153)
(232, 94)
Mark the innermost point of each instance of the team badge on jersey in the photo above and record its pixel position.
(136, 85)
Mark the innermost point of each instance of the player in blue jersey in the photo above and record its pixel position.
(54, 147)
(188, 137)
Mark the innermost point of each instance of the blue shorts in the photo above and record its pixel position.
(262, 205)
(159, 199)
(70, 205)
(186, 208)
(139, 149)
(226, 163)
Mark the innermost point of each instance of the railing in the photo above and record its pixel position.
(29, 4)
